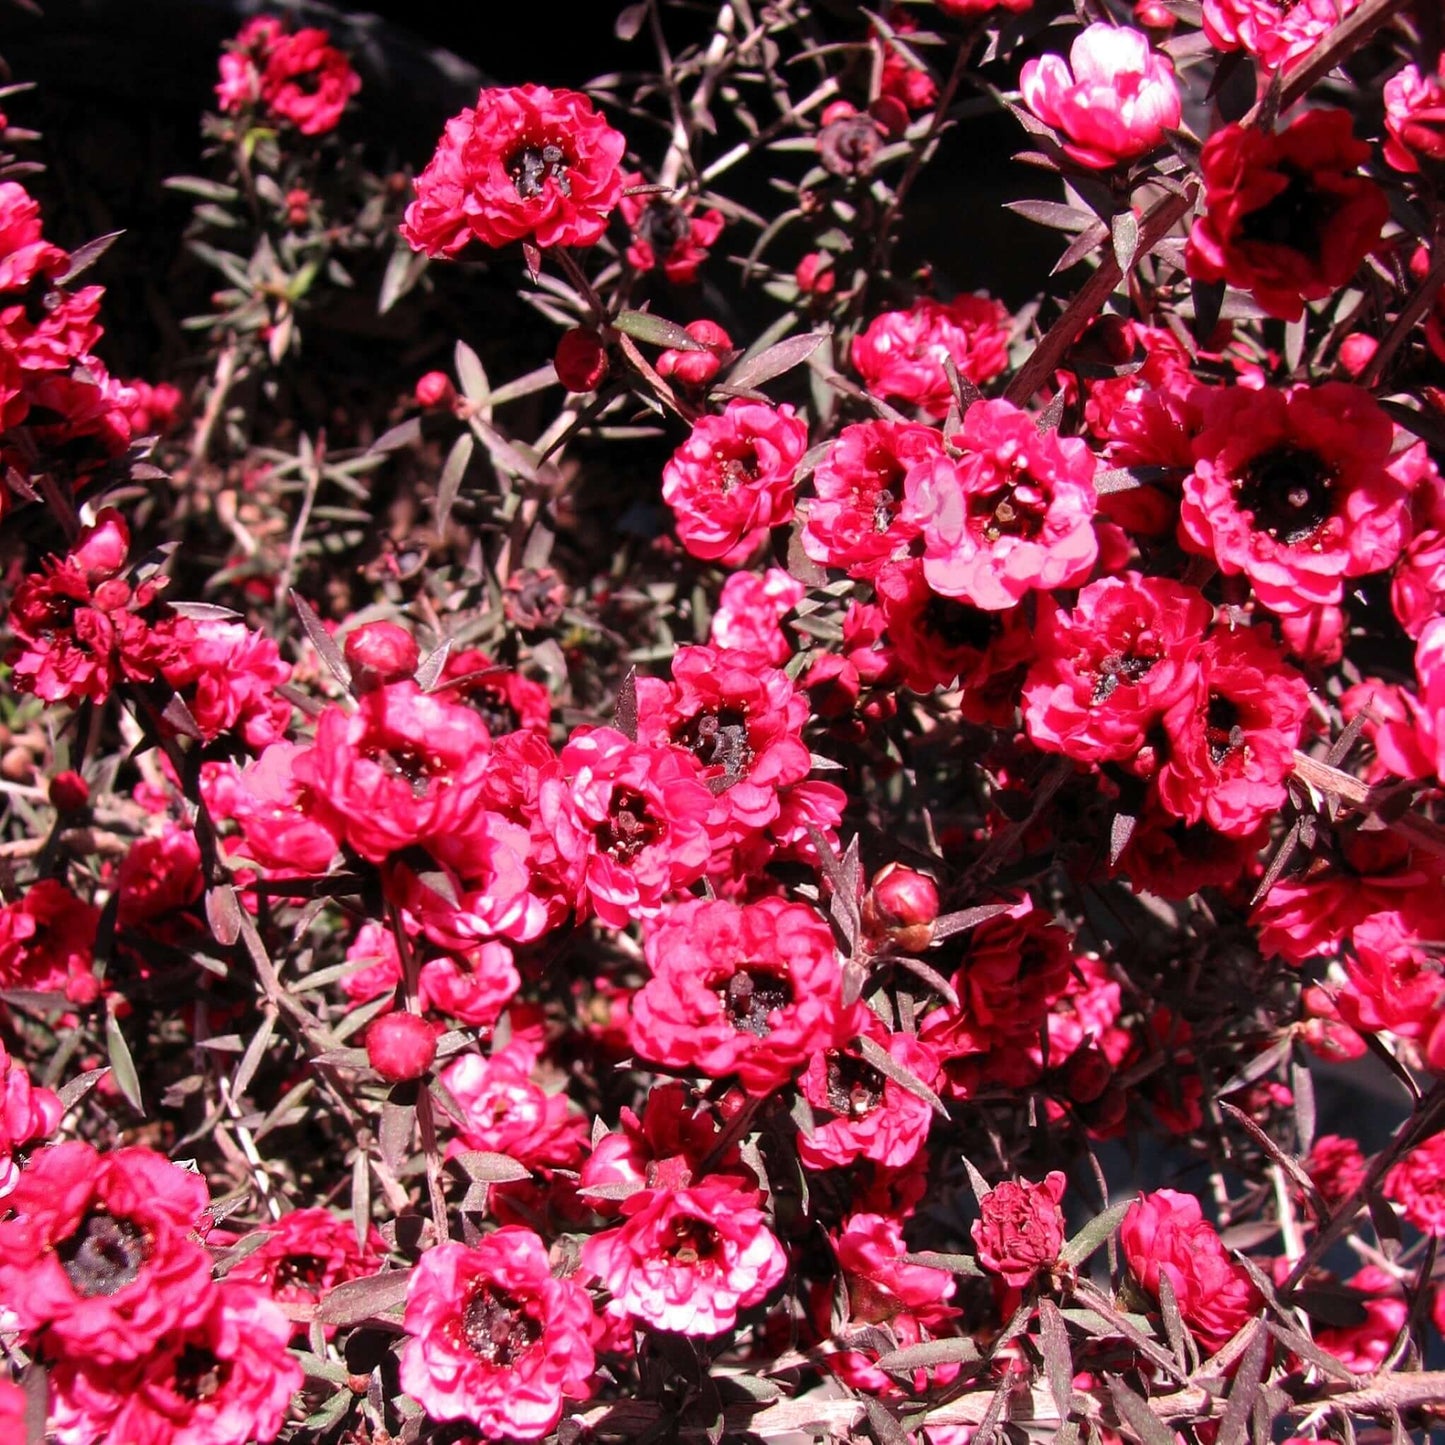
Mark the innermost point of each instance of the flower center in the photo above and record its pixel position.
(630, 827)
(662, 226)
(1222, 732)
(720, 740)
(406, 765)
(751, 996)
(199, 1374)
(735, 468)
(1288, 493)
(692, 1240)
(854, 1088)
(1297, 217)
(300, 1271)
(1016, 509)
(104, 1254)
(956, 624)
(533, 166)
(496, 1329)
(1116, 668)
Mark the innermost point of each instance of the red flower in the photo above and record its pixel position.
(226, 1379)
(1014, 513)
(687, 1260)
(305, 1255)
(1280, 32)
(27, 1113)
(1292, 489)
(1336, 1166)
(855, 523)
(732, 479)
(1166, 1233)
(97, 1251)
(525, 163)
(1287, 214)
(749, 610)
(1362, 1347)
(1106, 672)
(1020, 1228)
(1232, 736)
(308, 81)
(901, 354)
(47, 943)
(1417, 1185)
(405, 767)
(667, 235)
(495, 1339)
(753, 990)
(505, 1112)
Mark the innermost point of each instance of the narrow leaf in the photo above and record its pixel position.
(925, 1356)
(488, 1167)
(1094, 1233)
(778, 358)
(251, 1059)
(1124, 230)
(1235, 1424)
(951, 923)
(654, 331)
(471, 374)
(1058, 1361)
(906, 1079)
(122, 1065)
(322, 640)
(357, 1300)
(625, 712)
(450, 483)
(1134, 1412)
(73, 1092)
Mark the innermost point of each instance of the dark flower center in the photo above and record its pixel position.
(956, 624)
(104, 1254)
(662, 226)
(854, 1087)
(496, 710)
(629, 828)
(736, 469)
(406, 765)
(1116, 668)
(1016, 509)
(1222, 732)
(1288, 493)
(692, 1240)
(496, 1329)
(303, 1271)
(199, 1374)
(533, 166)
(38, 297)
(1297, 217)
(751, 996)
(720, 740)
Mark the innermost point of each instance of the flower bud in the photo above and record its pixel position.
(901, 906)
(379, 653)
(101, 549)
(435, 389)
(401, 1047)
(815, 274)
(581, 359)
(298, 207)
(697, 368)
(1356, 351)
(69, 792)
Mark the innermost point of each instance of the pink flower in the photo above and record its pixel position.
(1117, 103)
(731, 481)
(1166, 1233)
(228, 676)
(97, 1251)
(1106, 672)
(1287, 214)
(687, 1260)
(1362, 1347)
(753, 990)
(1280, 32)
(668, 235)
(495, 1339)
(1417, 1185)
(1292, 490)
(1415, 117)
(524, 163)
(1020, 1228)
(856, 523)
(47, 943)
(881, 1287)
(1336, 1166)
(901, 354)
(631, 821)
(306, 1254)
(749, 611)
(1232, 736)
(226, 1379)
(505, 1112)
(27, 1113)
(307, 81)
(859, 1113)
(405, 767)
(1015, 513)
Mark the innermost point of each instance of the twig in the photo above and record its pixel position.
(1418, 304)
(311, 467)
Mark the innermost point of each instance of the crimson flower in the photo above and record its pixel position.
(1020, 1228)
(1287, 215)
(524, 163)
(495, 1339)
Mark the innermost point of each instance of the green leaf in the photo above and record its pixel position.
(1094, 1233)
(121, 1064)
(654, 331)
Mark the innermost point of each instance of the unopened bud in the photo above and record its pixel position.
(379, 653)
(901, 906)
(401, 1047)
(435, 389)
(581, 359)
